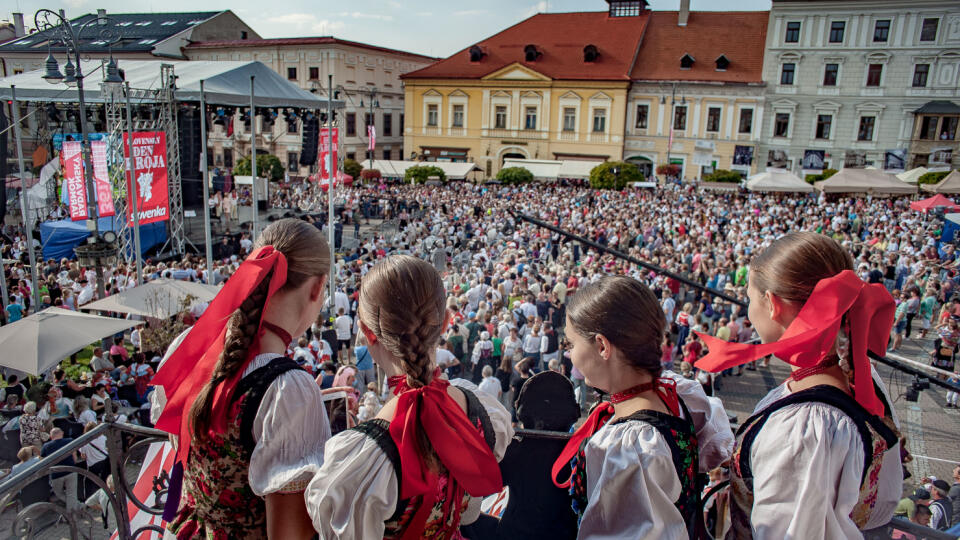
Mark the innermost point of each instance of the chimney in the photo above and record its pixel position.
(684, 13)
(101, 13)
(18, 29)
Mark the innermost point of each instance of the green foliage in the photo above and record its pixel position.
(827, 173)
(419, 174)
(603, 176)
(351, 167)
(267, 165)
(514, 175)
(932, 177)
(723, 175)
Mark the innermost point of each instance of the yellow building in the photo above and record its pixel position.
(552, 87)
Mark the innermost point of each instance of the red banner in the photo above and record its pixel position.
(102, 179)
(325, 149)
(150, 167)
(372, 135)
(73, 179)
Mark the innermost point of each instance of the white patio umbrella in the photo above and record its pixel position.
(160, 298)
(36, 343)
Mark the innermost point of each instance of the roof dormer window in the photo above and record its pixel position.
(476, 53)
(722, 63)
(531, 53)
(626, 8)
(686, 62)
(591, 53)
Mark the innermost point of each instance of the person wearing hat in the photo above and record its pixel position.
(941, 509)
(908, 505)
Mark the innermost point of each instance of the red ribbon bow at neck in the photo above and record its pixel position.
(191, 366)
(811, 336)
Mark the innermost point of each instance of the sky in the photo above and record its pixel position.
(431, 27)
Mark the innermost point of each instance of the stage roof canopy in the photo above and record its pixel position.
(225, 83)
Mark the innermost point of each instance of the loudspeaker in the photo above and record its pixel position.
(192, 190)
(262, 205)
(188, 125)
(311, 135)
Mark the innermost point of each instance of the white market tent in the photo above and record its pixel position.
(913, 175)
(225, 83)
(778, 181)
(546, 170)
(850, 180)
(161, 298)
(397, 168)
(949, 184)
(572, 168)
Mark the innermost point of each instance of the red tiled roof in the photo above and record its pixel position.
(320, 40)
(561, 38)
(739, 35)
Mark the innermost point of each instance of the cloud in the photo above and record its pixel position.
(539, 7)
(361, 15)
(306, 22)
(469, 12)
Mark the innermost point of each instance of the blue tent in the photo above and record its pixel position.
(58, 238)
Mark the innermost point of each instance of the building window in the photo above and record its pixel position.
(433, 115)
(458, 116)
(625, 8)
(830, 72)
(928, 32)
(713, 119)
(599, 120)
(314, 74)
(686, 62)
(881, 31)
(292, 73)
(874, 73)
(746, 120)
(680, 118)
(865, 133)
(836, 31)
(500, 117)
(948, 128)
(793, 32)
(388, 125)
(386, 154)
(569, 119)
(292, 164)
(920, 72)
(292, 125)
(781, 125)
(401, 122)
(530, 118)
(351, 124)
(642, 112)
(824, 121)
(352, 155)
(928, 127)
(786, 73)
(243, 34)
(367, 120)
(228, 157)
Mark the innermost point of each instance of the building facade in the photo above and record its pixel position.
(553, 87)
(845, 77)
(366, 78)
(697, 96)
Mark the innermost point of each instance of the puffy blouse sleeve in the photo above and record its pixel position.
(631, 485)
(714, 436)
(806, 462)
(355, 491)
(499, 417)
(290, 429)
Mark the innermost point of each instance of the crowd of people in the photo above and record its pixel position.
(494, 304)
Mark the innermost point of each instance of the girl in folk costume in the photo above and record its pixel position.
(820, 456)
(250, 422)
(417, 470)
(635, 460)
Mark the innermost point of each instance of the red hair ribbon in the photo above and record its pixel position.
(191, 366)
(456, 441)
(811, 336)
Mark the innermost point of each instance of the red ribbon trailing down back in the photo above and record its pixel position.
(811, 336)
(599, 416)
(191, 366)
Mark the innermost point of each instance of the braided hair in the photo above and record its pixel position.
(307, 255)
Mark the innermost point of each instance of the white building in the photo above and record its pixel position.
(844, 78)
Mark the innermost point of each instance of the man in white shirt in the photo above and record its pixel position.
(668, 305)
(343, 326)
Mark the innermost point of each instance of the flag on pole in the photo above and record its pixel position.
(372, 135)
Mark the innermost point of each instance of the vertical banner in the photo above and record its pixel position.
(101, 179)
(372, 135)
(155, 468)
(150, 167)
(325, 148)
(73, 180)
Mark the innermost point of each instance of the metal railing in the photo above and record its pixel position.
(121, 448)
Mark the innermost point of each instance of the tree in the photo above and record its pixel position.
(827, 173)
(419, 174)
(369, 174)
(670, 170)
(723, 175)
(932, 177)
(351, 167)
(614, 175)
(267, 165)
(515, 175)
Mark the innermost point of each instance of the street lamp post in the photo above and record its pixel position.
(98, 249)
(373, 102)
(672, 119)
